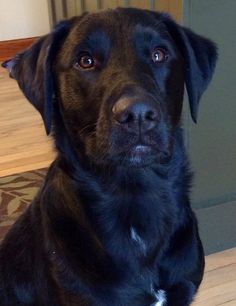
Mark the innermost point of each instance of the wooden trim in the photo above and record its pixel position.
(9, 48)
(172, 7)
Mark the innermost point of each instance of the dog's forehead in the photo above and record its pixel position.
(117, 24)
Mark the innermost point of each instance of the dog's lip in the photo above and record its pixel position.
(141, 148)
(139, 153)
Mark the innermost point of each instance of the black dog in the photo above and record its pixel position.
(112, 224)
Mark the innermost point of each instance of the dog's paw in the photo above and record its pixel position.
(160, 298)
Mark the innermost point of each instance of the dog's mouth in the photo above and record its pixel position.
(136, 155)
(141, 149)
(122, 149)
(145, 155)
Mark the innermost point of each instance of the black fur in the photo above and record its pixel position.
(76, 243)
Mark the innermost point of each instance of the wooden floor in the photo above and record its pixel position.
(24, 146)
(23, 143)
(219, 283)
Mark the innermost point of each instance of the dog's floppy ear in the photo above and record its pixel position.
(200, 55)
(32, 69)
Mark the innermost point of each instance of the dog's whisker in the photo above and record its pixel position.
(88, 127)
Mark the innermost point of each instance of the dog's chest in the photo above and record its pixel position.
(158, 294)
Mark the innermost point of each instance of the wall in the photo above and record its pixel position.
(212, 142)
(23, 18)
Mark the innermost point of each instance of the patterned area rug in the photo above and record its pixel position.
(16, 192)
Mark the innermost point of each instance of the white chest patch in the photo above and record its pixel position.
(161, 298)
(160, 295)
(135, 237)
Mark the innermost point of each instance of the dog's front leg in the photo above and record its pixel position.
(180, 294)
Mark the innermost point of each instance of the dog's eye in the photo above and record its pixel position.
(85, 61)
(159, 55)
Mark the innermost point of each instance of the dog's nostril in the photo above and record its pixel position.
(151, 115)
(124, 117)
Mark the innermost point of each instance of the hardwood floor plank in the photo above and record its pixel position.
(230, 303)
(217, 295)
(220, 259)
(227, 273)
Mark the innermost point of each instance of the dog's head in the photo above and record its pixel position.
(117, 79)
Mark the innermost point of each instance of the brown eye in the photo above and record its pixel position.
(86, 61)
(159, 55)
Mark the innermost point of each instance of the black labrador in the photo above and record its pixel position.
(112, 224)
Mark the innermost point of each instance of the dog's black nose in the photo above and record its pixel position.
(135, 114)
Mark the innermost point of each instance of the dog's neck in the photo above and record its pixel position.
(121, 188)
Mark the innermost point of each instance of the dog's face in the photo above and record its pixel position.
(118, 79)
(120, 82)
